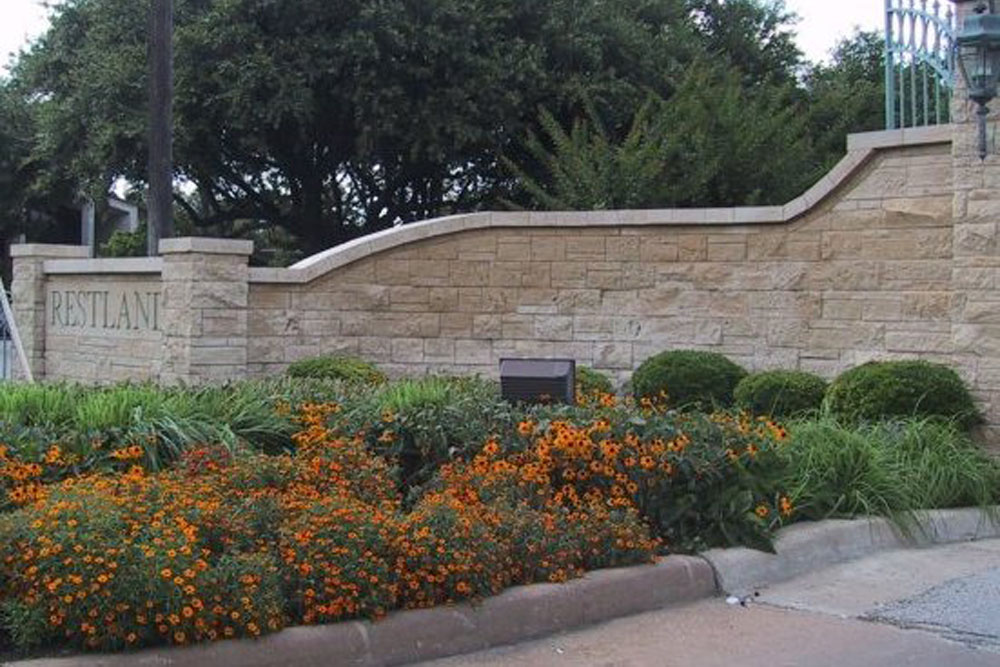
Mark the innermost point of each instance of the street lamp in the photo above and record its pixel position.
(979, 61)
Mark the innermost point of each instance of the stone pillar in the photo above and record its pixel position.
(205, 292)
(976, 268)
(28, 296)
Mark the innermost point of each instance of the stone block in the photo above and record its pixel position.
(548, 249)
(585, 248)
(457, 324)
(470, 273)
(473, 352)
(727, 252)
(409, 295)
(919, 342)
(692, 248)
(506, 274)
(613, 355)
(439, 350)
(554, 327)
(514, 327)
(538, 274)
(408, 350)
(569, 275)
(442, 299)
(623, 249)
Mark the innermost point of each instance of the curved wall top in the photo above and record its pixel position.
(860, 150)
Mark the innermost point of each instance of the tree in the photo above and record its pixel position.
(326, 118)
(848, 95)
(702, 147)
(309, 122)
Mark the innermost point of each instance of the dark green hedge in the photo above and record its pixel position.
(881, 389)
(781, 394)
(690, 378)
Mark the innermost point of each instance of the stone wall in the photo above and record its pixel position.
(866, 273)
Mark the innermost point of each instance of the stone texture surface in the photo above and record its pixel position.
(867, 274)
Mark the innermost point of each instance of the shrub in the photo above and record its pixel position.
(347, 369)
(591, 383)
(689, 378)
(780, 394)
(878, 390)
(422, 424)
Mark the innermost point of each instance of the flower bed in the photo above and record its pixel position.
(420, 494)
(223, 547)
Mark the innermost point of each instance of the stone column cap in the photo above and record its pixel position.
(49, 251)
(205, 245)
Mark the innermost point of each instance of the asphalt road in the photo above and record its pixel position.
(937, 607)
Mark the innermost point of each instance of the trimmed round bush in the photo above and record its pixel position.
(882, 389)
(592, 383)
(348, 369)
(780, 394)
(690, 378)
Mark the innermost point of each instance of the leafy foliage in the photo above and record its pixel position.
(689, 378)
(289, 127)
(780, 394)
(888, 389)
(848, 95)
(347, 369)
(890, 468)
(423, 424)
(592, 383)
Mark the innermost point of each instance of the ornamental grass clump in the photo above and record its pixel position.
(891, 468)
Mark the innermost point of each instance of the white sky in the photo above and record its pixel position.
(823, 23)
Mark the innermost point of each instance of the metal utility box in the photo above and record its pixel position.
(538, 380)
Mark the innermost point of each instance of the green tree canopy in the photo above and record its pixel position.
(325, 119)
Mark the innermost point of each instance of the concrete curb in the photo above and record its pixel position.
(519, 614)
(806, 547)
(529, 612)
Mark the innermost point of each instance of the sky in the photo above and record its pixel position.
(823, 23)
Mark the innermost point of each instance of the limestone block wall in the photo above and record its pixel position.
(860, 268)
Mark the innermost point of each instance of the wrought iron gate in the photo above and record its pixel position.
(919, 62)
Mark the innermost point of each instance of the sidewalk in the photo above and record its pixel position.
(917, 607)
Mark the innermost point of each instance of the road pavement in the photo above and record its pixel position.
(929, 607)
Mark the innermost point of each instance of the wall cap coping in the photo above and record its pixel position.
(104, 265)
(205, 245)
(861, 149)
(910, 136)
(49, 250)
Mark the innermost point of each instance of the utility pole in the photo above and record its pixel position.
(160, 222)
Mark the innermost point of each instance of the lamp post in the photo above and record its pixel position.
(978, 46)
